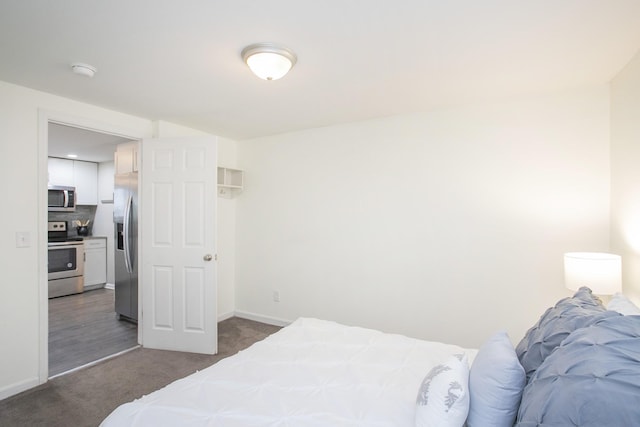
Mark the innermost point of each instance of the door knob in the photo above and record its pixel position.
(207, 257)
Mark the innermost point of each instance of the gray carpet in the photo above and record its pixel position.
(86, 397)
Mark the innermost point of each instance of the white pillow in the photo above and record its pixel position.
(496, 381)
(443, 398)
(623, 305)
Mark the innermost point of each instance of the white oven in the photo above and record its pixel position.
(66, 268)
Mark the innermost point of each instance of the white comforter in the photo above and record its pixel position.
(311, 373)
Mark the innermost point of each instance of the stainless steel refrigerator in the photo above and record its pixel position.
(125, 218)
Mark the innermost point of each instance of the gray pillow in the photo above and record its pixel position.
(555, 325)
(591, 380)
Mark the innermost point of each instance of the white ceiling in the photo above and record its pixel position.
(180, 60)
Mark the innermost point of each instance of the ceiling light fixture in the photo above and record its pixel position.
(269, 61)
(83, 69)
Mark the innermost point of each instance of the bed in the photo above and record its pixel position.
(578, 365)
(310, 373)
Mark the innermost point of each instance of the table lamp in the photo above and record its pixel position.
(601, 272)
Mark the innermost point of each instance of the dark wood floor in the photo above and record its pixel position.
(83, 328)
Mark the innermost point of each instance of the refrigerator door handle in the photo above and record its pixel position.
(127, 238)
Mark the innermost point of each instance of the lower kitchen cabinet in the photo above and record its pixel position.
(95, 264)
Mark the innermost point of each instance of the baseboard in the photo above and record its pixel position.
(110, 286)
(226, 316)
(262, 319)
(18, 388)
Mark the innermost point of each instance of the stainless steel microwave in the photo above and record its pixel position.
(62, 199)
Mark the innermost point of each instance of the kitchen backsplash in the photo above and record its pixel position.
(82, 213)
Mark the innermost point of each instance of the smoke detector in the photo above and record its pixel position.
(83, 69)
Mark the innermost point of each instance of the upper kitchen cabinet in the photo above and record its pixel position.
(73, 173)
(85, 175)
(126, 157)
(61, 172)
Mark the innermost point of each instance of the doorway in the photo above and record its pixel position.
(83, 327)
(194, 292)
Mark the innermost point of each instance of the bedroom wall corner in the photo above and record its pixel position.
(227, 157)
(625, 174)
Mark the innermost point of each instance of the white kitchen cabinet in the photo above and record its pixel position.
(60, 172)
(95, 263)
(74, 173)
(85, 177)
(126, 157)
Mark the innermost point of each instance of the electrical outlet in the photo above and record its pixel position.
(276, 296)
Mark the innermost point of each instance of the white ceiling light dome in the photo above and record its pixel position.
(83, 69)
(268, 60)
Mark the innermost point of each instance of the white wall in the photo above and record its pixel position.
(625, 174)
(22, 161)
(103, 222)
(446, 225)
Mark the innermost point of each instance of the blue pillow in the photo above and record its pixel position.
(496, 381)
(591, 380)
(555, 325)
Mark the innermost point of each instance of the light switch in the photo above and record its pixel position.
(23, 239)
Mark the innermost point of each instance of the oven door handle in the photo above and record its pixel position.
(127, 238)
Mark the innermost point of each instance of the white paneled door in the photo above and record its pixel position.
(177, 244)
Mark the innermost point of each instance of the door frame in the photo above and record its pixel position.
(44, 118)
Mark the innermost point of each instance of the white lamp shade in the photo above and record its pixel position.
(601, 272)
(268, 61)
